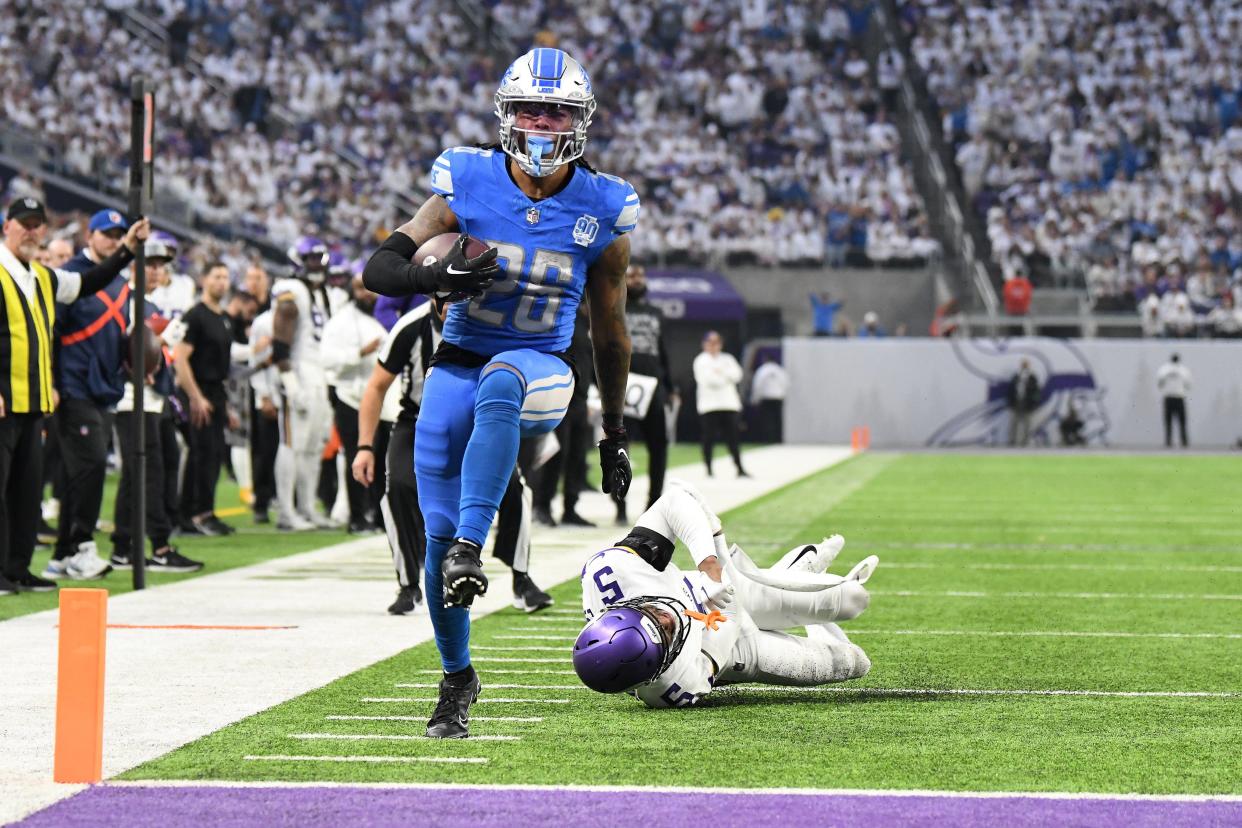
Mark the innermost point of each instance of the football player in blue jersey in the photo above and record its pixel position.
(556, 232)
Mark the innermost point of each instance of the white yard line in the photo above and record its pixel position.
(503, 660)
(516, 649)
(1046, 633)
(1098, 567)
(442, 760)
(432, 699)
(529, 638)
(338, 626)
(1073, 596)
(499, 671)
(926, 691)
(423, 719)
(417, 686)
(393, 737)
(665, 789)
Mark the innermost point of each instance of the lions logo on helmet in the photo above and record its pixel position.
(628, 645)
(309, 256)
(549, 77)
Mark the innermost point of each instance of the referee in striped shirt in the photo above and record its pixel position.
(28, 296)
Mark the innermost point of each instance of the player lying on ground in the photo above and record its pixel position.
(670, 637)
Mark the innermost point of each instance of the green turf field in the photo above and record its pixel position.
(998, 573)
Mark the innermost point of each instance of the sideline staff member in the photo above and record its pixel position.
(28, 296)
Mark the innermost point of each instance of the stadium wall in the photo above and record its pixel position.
(934, 392)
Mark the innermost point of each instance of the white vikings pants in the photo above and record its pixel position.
(303, 435)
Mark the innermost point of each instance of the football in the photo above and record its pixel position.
(438, 247)
(154, 348)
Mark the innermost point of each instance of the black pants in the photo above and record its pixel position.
(84, 429)
(53, 474)
(719, 425)
(21, 467)
(771, 425)
(1175, 409)
(170, 450)
(207, 449)
(574, 434)
(512, 545)
(403, 520)
(264, 440)
(157, 525)
(654, 432)
(364, 502)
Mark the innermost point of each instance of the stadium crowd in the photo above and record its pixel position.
(1102, 143)
(754, 134)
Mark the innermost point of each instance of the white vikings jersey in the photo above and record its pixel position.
(313, 314)
(176, 297)
(617, 574)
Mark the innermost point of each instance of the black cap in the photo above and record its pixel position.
(25, 208)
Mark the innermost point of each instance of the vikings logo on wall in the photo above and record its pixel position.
(1065, 378)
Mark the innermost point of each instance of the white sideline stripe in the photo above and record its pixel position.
(447, 760)
(882, 792)
(1149, 596)
(517, 649)
(522, 660)
(506, 687)
(492, 671)
(392, 737)
(479, 701)
(1067, 567)
(925, 691)
(424, 718)
(1046, 633)
(530, 638)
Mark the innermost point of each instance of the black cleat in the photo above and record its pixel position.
(408, 600)
(451, 719)
(463, 574)
(543, 515)
(527, 596)
(572, 518)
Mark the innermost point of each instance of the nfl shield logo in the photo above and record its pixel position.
(532, 215)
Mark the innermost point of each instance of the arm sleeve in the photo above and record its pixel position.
(72, 286)
(677, 515)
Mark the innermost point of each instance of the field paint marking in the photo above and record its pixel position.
(924, 691)
(535, 719)
(506, 687)
(664, 789)
(1069, 567)
(447, 760)
(395, 738)
(1150, 596)
(515, 649)
(959, 546)
(478, 701)
(197, 627)
(523, 660)
(500, 671)
(1043, 633)
(530, 638)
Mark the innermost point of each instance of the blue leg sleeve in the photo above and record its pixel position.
(492, 450)
(444, 425)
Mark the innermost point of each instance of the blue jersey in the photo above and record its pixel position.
(545, 248)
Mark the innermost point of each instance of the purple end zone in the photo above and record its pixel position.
(135, 807)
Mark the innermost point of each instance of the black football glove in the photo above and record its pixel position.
(614, 460)
(458, 277)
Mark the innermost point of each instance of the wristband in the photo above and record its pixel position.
(614, 425)
(364, 448)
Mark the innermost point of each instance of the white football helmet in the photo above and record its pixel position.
(550, 77)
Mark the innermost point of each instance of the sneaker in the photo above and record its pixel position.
(120, 560)
(543, 516)
(527, 596)
(409, 598)
(318, 521)
(7, 587)
(29, 582)
(189, 527)
(572, 518)
(85, 564)
(260, 517)
(362, 527)
(170, 560)
(219, 525)
(462, 569)
(451, 719)
(294, 523)
(56, 569)
(46, 535)
(206, 527)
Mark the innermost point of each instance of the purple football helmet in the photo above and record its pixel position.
(626, 646)
(338, 270)
(309, 256)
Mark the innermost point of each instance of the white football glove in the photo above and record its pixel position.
(292, 388)
(720, 594)
(174, 333)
